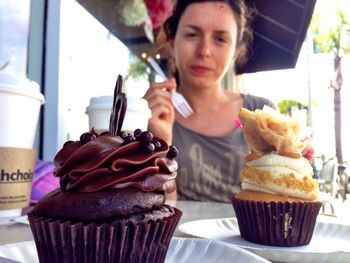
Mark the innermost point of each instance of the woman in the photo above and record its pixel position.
(207, 38)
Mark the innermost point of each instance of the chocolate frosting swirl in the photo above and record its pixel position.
(106, 162)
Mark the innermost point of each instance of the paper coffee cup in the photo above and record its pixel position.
(136, 117)
(20, 101)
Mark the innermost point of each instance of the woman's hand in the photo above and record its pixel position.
(163, 114)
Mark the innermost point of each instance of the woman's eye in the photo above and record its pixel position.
(189, 35)
(221, 40)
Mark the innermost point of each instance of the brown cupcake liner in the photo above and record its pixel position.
(63, 241)
(276, 223)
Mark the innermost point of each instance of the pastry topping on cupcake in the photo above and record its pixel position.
(268, 131)
(275, 164)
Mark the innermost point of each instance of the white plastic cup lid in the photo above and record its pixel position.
(102, 102)
(22, 86)
(99, 111)
(105, 102)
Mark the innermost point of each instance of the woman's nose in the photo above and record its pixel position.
(204, 49)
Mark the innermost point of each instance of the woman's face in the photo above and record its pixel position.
(205, 43)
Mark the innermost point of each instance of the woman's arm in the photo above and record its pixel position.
(161, 122)
(158, 97)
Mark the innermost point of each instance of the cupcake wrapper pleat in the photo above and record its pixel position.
(63, 241)
(276, 223)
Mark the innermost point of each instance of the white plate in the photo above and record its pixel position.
(184, 250)
(195, 250)
(14, 220)
(330, 242)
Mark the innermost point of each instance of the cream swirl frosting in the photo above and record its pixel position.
(276, 174)
(107, 162)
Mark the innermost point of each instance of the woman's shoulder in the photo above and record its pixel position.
(252, 102)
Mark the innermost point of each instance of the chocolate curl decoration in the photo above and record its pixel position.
(119, 108)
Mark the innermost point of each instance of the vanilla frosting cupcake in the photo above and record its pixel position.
(278, 191)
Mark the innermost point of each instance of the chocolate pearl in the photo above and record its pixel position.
(149, 147)
(87, 137)
(145, 136)
(137, 132)
(173, 152)
(157, 145)
(124, 135)
(129, 139)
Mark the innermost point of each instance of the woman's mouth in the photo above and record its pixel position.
(200, 69)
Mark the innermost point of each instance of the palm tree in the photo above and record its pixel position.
(336, 39)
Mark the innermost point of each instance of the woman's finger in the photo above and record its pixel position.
(159, 97)
(160, 111)
(167, 85)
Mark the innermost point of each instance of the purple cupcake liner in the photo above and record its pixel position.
(63, 241)
(276, 223)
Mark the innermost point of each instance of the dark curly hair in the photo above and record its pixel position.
(243, 14)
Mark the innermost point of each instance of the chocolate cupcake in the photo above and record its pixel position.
(278, 204)
(110, 206)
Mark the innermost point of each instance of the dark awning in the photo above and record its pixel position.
(280, 28)
(279, 31)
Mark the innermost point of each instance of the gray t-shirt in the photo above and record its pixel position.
(209, 166)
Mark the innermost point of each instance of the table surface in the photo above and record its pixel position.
(18, 232)
(192, 210)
